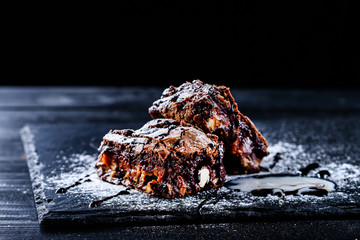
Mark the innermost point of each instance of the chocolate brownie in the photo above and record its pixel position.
(164, 158)
(214, 110)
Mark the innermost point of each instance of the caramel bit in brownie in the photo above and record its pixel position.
(214, 110)
(165, 158)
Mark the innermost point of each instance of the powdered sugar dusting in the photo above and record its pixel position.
(81, 166)
(347, 176)
(293, 157)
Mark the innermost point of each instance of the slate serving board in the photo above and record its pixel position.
(58, 155)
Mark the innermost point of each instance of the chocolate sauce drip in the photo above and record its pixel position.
(305, 170)
(213, 193)
(281, 193)
(276, 159)
(264, 192)
(323, 173)
(78, 182)
(97, 203)
(312, 191)
(281, 185)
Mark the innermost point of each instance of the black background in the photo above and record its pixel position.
(235, 43)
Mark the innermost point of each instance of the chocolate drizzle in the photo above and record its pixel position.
(305, 170)
(78, 182)
(281, 185)
(97, 203)
(323, 173)
(213, 193)
(276, 159)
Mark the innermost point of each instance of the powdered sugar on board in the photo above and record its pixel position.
(60, 162)
(81, 166)
(293, 157)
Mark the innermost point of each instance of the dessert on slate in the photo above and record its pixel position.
(165, 158)
(181, 151)
(214, 110)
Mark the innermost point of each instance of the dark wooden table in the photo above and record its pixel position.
(100, 105)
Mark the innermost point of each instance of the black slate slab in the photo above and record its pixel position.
(59, 155)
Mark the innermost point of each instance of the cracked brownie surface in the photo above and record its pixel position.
(214, 110)
(164, 158)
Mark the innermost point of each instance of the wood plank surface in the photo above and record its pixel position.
(19, 106)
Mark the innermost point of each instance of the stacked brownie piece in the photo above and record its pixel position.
(196, 134)
(214, 110)
(164, 158)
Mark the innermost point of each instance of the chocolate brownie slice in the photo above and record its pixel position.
(164, 158)
(214, 110)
